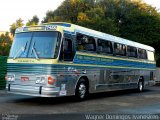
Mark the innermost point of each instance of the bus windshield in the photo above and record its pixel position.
(35, 45)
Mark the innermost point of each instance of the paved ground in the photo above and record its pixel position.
(119, 102)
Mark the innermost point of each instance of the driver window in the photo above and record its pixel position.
(66, 50)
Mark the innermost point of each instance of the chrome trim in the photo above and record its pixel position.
(34, 90)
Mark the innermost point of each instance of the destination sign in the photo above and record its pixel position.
(37, 28)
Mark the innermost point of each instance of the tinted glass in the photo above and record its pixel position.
(20, 44)
(142, 54)
(36, 45)
(85, 43)
(44, 44)
(131, 51)
(119, 49)
(104, 46)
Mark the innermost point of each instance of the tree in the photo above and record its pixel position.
(5, 44)
(49, 17)
(95, 19)
(68, 11)
(17, 24)
(33, 21)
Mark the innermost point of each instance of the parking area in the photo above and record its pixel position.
(118, 102)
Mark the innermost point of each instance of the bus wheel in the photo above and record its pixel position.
(81, 91)
(140, 86)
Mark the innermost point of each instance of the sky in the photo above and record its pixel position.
(11, 10)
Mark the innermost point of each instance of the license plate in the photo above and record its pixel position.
(24, 78)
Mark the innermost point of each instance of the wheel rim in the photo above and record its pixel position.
(140, 86)
(82, 90)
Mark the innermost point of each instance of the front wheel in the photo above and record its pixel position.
(81, 91)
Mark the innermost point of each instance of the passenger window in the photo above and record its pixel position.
(104, 46)
(131, 51)
(85, 43)
(142, 54)
(119, 49)
(66, 50)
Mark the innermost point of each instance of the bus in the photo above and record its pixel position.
(62, 59)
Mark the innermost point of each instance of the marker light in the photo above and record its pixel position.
(6, 77)
(51, 80)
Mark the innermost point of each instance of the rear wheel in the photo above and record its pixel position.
(81, 91)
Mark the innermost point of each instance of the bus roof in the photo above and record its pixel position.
(101, 35)
(75, 28)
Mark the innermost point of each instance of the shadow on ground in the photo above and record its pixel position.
(71, 99)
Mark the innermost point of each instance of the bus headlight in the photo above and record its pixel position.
(10, 78)
(44, 79)
(40, 80)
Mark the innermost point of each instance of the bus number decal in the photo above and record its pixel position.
(51, 27)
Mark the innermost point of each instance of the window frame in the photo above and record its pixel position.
(136, 54)
(30, 43)
(82, 44)
(139, 54)
(125, 52)
(70, 38)
(109, 46)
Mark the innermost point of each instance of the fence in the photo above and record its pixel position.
(3, 70)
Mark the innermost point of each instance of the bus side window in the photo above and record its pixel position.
(142, 54)
(66, 50)
(119, 49)
(85, 43)
(131, 51)
(79, 41)
(104, 47)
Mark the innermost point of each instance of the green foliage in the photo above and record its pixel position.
(14, 26)
(33, 21)
(95, 19)
(49, 17)
(68, 11)
(5, 44)
(3, 71)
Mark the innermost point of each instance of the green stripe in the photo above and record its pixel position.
(102, 66)
(117, 58)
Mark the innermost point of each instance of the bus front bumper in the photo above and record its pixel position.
(33, 90)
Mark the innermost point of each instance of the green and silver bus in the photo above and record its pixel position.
(63, 59)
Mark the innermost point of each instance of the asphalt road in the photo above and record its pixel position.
(128, 102)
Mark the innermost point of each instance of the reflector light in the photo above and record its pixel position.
(51, 80)
(6, 77)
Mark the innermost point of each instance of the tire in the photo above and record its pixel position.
(81, 92)
(140, 86)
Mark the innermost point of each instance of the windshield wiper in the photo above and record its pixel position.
(20, 51)
(34, 51)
